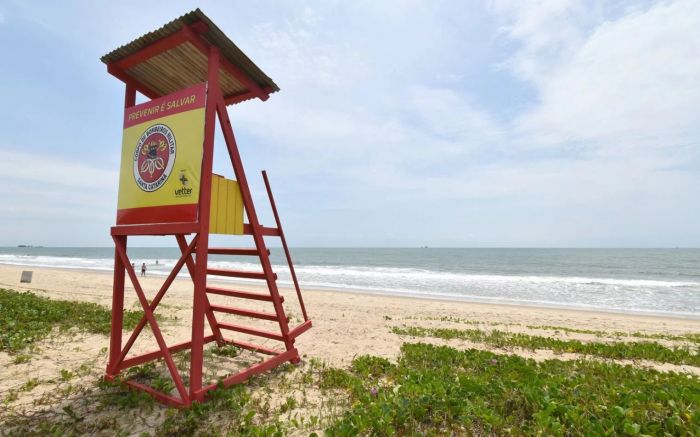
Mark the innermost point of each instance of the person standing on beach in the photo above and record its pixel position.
(143, 269)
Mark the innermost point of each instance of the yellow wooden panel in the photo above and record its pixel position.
(226, 207)
(231, 187)
(214, 203)
(221, 218)
(238, 222)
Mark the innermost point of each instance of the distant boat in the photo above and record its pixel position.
(29, 246)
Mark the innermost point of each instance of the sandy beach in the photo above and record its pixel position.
(346, 324)
(490, 209)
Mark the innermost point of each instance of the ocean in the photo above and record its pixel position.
(646, 281)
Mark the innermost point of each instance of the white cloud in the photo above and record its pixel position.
(607, 79)
(543, 30)
(450, 115)
(352, 107)
(380, 116)
(595, 139)
(36, 186)
(53, 171)
(631, 84)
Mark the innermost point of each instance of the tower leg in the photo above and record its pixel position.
(199, 306)
(115, 340)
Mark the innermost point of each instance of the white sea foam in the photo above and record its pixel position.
(57, 262)
(618, 294)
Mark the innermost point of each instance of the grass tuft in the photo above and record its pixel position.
(619, 350)
(26, 318)
(438, 390)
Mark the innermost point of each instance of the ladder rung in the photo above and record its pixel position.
(254, 347)
(251, 331)
(243, 251)
(244, 312)
(242, 294)
(238, 273)
(270, 232)
(294, 333)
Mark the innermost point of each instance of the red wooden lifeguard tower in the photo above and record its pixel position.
(191, 71)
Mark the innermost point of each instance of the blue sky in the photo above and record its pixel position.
(497, 123)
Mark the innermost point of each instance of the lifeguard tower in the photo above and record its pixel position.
(191, 72)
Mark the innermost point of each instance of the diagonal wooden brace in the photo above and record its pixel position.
(115, 367)
(189, 262)
(177, 379)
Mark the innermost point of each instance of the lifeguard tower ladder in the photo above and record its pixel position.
(191, 57)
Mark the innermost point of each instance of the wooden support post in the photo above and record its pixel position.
(199, 305)
(115, 340)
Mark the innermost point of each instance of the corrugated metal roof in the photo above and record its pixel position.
(185, 65)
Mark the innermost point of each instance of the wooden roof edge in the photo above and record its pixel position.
(213, 35)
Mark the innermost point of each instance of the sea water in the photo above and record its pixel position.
(651, 281)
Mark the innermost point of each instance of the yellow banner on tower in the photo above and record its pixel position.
(161, 159)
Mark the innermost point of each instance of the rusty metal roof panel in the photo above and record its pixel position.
(152, 72)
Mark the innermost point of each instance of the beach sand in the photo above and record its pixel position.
(345, 325)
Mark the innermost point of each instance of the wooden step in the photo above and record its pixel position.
(241, 294)
(240, 251)
(267, 231)
(244, 312)
(253, 347)
(238, 274)
(250, 331)
(294, 333)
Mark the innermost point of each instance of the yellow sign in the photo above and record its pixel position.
(162, 159)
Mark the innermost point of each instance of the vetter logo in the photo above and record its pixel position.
(184, 191)
(154, 157)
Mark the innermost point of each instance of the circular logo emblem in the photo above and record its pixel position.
(154, 157)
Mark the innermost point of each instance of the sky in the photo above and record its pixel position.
(505, 123)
